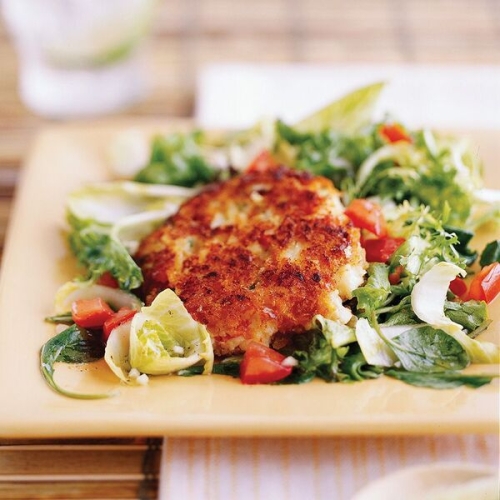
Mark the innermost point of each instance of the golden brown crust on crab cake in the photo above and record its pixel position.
(258, 254)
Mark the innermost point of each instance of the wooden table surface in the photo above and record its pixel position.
(187, 35)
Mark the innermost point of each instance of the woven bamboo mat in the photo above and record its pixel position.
(189, 34)
(79, 468)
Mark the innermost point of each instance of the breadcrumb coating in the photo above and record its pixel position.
(257, 255)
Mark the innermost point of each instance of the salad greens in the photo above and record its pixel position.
(73, 345)
(425, 172)
(77, 290)
(491, 253)
(108, 220)
(408, 324)
(441, 380)
(177, 159)
(346, 114)
(164, 338)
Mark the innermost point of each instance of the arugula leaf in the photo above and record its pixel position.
(490, 254)
(230, 368)
(73, 345)
(177, 159)
(472, 314)
(462, 246)
(441, 380)
(61, 319)
(399, 314)
(355, 366)
(95, 249)
(316, 358)
(427, 349)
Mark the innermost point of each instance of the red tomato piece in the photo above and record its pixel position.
(91, 313)
(475, 290)
(459, 287)
(381, 249)
(486, 284)
(107, 279)
(262, 365)
(395, 276)
(491, 282)
(367, 215)
(119, 318)
(394, 133)
(262, 162)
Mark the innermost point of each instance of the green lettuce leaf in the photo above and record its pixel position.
(164, 338)
(375, 292)
(347, 114)
(76, 290)
(107, 220)
(429, 295)
(177, 159)
(108, 202)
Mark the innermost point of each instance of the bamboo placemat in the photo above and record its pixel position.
(188, 35)
(79, 468)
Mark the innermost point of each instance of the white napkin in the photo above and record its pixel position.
(456, 96)
(303, 469)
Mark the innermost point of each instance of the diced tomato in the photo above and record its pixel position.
(91, 313)
(394, 133)
(458, 286)
(395, 276)
(262, 365)
(367, 215)
(262, 162)
(381, 249)
(475, 290)
(486, 284)
(107, 279)
(119, 318)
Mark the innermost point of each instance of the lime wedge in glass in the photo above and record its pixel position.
(92, 34)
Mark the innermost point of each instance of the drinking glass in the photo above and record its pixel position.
(79, 57)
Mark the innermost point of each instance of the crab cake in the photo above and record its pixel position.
(257, 255)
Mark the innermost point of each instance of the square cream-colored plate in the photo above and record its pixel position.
(37, 262)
